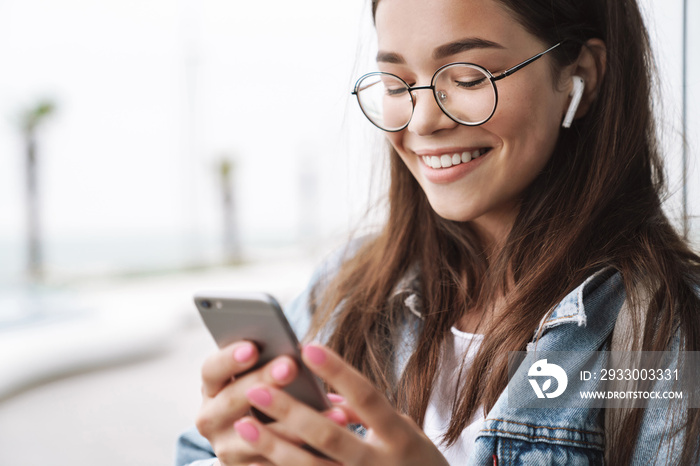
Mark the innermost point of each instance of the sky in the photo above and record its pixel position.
(152, 94)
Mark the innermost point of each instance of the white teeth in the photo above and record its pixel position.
(447, 160)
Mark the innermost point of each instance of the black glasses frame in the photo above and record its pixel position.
(410, 89)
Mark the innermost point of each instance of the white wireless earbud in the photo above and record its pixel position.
(576, 94)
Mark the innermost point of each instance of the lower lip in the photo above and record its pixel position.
(453, 173)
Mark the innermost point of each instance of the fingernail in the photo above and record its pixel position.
(315, 354)
(337, 416)
(280, 371)
(247, 431)
(259, 396)
(243, 353)
(335, 398)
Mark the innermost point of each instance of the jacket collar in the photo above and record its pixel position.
(570, 310)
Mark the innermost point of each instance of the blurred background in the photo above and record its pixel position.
(152, 148)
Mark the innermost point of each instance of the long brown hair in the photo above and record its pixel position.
(597, 203)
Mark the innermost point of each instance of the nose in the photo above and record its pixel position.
(428, 118)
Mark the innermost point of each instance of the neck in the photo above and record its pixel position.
(493, 228)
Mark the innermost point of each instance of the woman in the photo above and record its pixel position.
(525, 214)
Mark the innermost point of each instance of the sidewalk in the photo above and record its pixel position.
(147, 342)
(119, 320)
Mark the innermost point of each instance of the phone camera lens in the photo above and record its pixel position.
(205, 303)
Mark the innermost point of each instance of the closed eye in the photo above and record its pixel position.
(396, 91)
(470, 84)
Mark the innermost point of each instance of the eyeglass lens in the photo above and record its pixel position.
(464, 92)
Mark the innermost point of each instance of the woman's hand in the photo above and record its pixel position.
(224, 400)
(392, 438)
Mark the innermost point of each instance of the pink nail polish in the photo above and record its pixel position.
(315, 354)
(243, 353)
(280, 371)
(247, 431)
(335, 398)
(259, 396)
(338, 417)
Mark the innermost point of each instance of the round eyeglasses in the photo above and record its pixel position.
(465, 92)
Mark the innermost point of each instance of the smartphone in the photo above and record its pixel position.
(257, 317)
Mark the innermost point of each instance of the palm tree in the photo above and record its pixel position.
(232, 244)
(30, 121)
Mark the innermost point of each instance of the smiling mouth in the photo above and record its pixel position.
(449, 160)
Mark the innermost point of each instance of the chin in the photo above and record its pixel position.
(452, 212)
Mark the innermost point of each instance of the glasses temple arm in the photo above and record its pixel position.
(512, 70)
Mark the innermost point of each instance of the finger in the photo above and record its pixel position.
(337, 415)
(226, 363)
(340, 403)
(316, 429)
(273, 448)
(285, 433)
(230, 448)
(371, 407)
(349, 416)
(335, 398)
(231, 404)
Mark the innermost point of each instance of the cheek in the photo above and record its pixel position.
(529, 107)
(529, 120)
(395, 139)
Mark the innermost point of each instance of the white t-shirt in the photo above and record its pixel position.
(458, 347)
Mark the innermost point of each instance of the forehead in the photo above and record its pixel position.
(414, 28)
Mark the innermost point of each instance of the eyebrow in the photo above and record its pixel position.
(443, 51)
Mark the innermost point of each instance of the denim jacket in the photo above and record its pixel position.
(582, 321)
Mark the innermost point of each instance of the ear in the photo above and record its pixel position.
(590, 65)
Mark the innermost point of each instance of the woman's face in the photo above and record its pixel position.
(414, 41)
